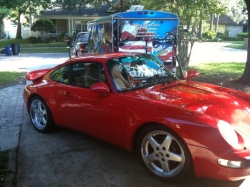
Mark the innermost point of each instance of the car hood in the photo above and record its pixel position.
(222, 103)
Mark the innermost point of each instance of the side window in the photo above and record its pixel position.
(87, 74)
(61, 75)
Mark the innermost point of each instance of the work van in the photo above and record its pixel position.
(143, 31)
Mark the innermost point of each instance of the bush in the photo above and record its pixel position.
(243, 35)
(43, 26)
(219, 34)
(227, 38)
(209, 35)
(33, 39)
(217, 40)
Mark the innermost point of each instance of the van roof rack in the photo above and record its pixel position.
(136, 8)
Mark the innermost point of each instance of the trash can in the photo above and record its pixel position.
(15, 48)
(8, 50)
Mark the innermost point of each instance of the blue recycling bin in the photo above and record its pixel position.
(8, 50)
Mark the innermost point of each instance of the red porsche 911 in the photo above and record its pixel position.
(178, 127)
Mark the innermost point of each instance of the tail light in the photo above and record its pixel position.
(82, 47)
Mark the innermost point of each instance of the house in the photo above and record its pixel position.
(228, 26)
(75, 21)
(65, 21)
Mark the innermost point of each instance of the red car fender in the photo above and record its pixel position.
(193, 128)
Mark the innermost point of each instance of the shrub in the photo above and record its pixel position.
(219, 34)
(227, 38)
(33, 39)
(209, 35)
(43, 26)
(243, 35)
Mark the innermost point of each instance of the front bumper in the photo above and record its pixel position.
(232, 166)
(235, 164)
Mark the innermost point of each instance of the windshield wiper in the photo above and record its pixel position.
(153, 79)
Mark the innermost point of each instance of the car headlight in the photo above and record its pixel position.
(228, 133)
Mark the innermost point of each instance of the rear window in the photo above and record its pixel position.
(82, 37)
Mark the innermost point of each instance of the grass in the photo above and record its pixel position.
(217, 68)
(9, 77)
(45, 50)
(27, 47)
(235, 44)
(219, 73)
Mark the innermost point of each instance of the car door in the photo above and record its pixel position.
(99, 115)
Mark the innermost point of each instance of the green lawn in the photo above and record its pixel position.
(27, 47)
(9, 77)
(226, 71)
(235, 44)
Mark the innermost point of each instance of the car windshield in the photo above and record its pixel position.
(82, 37)
(138, 71)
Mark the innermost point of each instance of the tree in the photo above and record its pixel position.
(43, 26)
(73, 5)
(3, 13)
(237, 10)
(245, 78)
(23, 6)
(191, 14)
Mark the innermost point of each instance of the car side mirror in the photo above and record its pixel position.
(101, 88)
(191, 74)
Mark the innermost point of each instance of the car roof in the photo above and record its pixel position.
(101, 58)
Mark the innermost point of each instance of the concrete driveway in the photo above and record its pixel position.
(67, 158)
(70, 159)
(216, 52)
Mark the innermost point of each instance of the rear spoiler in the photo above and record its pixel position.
(35, 75)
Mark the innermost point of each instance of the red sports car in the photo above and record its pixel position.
(177, 127)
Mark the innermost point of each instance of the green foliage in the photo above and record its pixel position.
(191, 13)
(219, 68)
(9, 42)
(213, 40)
(243, 35)
(227, 38)
(219, 34)
(209, 34)
(4, 12)
(7, 77)
(21, 7)
(43, 25)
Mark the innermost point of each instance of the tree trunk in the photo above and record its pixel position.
(211, 22)
(245, 78)
(200, 30)
(19, 27)
(217, 23)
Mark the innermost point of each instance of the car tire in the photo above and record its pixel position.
(40, 115)
(164, 154)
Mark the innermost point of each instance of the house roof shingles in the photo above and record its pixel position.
(226, 20)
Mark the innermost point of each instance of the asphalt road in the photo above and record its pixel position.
(29, 62)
